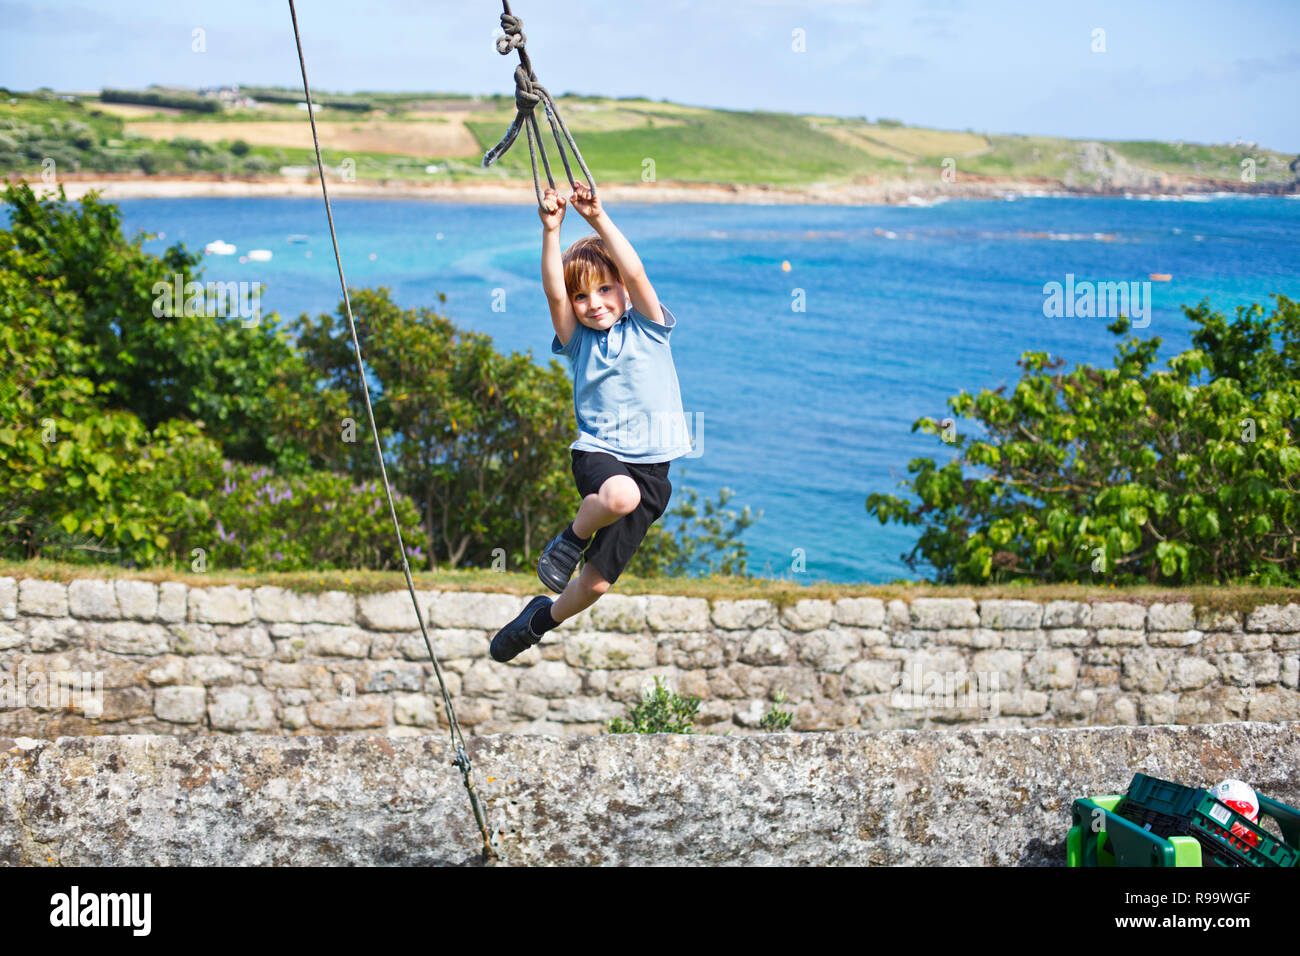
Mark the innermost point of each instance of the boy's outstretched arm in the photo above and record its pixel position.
(639, 289)
(562, 315)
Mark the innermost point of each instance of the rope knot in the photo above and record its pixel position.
(514, 28)
(526, 95)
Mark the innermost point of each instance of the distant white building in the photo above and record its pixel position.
(229, 96)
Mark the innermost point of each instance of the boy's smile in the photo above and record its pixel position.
(600, 307)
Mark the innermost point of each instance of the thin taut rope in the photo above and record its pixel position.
(457, 739)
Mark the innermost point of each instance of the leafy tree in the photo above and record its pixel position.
(82, 482)
(123, 424)
(77, 481)
(1183, 475)
(157, 367)
(477, 438)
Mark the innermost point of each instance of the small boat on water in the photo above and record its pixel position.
(259, 255)
(1160, 276)
(297, 237)
(219, 248)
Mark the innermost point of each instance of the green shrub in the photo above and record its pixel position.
(320, 520)
(84, 481)
(695, 542)
(484, 436)
(239, 147)
(158, 367)
(659, 712)
(177, 99)
(1131, 474)
(77, 482)
(188, 144)
(776, 720)
(86, 485)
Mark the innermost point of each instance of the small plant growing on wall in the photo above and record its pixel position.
(660, 711)
(776, 721)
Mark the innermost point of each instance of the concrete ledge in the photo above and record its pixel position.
(902, 797)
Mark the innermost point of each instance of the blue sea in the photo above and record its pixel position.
(803, 413)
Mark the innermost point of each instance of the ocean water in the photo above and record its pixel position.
(803, 413)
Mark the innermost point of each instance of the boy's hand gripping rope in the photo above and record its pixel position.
(461, 759)
(528, 93)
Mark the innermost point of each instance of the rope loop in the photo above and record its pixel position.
(514, 28)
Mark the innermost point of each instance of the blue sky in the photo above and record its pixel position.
(1188, 70)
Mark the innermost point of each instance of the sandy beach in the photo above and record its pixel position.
(897, 192)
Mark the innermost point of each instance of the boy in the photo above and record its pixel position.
(613, 330)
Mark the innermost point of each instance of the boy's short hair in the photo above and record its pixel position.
(585, 263)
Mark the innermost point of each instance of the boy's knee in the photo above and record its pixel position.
(620, 494)
(594, 580)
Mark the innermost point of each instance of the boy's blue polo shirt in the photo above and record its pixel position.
(625, 393)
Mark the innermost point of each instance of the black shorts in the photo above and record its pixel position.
(612, 546)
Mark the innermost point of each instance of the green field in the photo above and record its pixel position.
(619, 138)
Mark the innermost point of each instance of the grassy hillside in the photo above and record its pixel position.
(403, 133)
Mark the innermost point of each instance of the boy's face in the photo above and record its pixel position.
(601, 306)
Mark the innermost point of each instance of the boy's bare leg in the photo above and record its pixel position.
(618, 495)
(581, 593)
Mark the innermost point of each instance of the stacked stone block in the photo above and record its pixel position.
(175, 659)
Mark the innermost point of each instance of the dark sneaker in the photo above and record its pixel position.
(516, 637)
(557, 562)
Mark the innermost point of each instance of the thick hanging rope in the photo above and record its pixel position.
(457, 739)
(528, 93)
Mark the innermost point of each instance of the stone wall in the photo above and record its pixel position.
(174, 659)
(895, 797)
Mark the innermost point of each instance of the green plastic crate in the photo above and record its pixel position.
(1172, 809)
(1101, 837)
(1162, 796)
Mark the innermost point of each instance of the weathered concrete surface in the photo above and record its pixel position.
(900, 797)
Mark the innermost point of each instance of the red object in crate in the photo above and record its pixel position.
(1241, 797)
